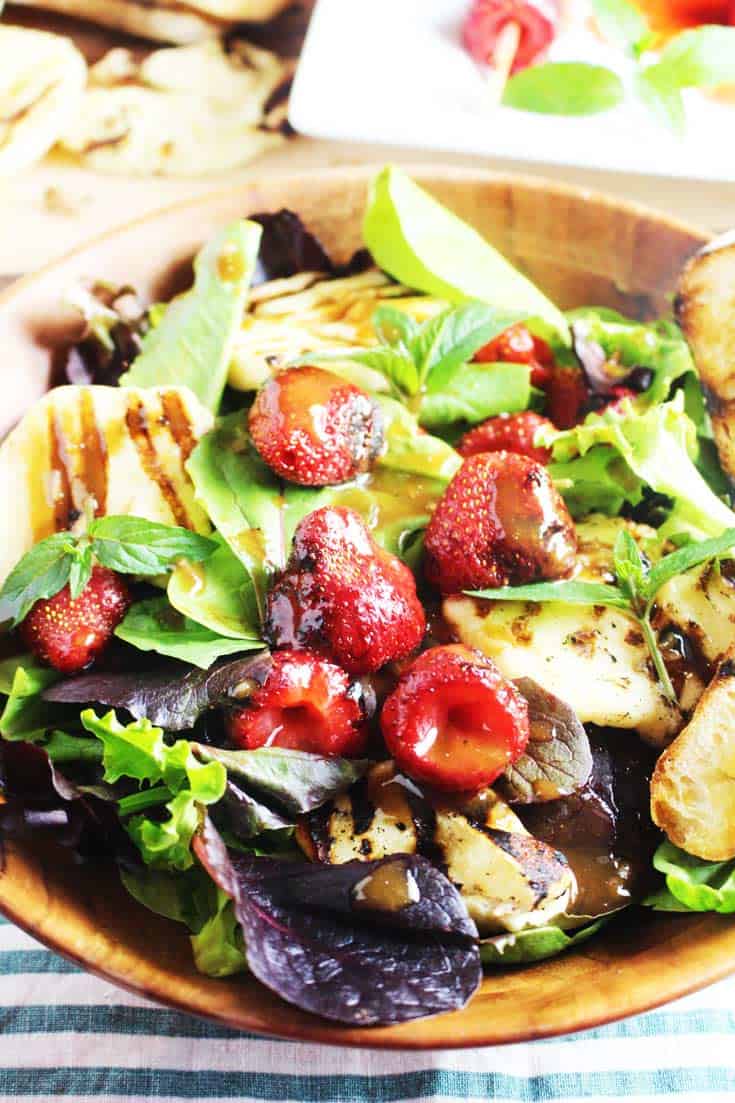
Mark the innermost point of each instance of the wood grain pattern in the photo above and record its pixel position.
(581, 248)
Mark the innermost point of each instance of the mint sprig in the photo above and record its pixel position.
(701, 57)
(635, 589)
(128, 545)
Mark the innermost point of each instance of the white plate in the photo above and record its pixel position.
(395, 72)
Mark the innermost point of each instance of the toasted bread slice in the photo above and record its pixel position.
(693, 785)
(705, 309)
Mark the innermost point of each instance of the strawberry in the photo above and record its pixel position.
(612, 401)
(307, 704)
(507, 433)
(500, 522)
(70, 634)
(313, 428)
(453, 721)
(343, 594)
(568, 395)
(517, 345)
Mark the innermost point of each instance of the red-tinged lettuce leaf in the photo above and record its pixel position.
(361, 943)
(296, 781)
(247, 817)
(558, 759)
(287, 248)
(173, 696)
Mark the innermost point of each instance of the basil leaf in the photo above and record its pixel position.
(81, 571)
(564, 88)
(475, 392)
(622, 24)
(570, 593)
(691, 555)
(41, 573)
(155, 625)
(396, 364)
(132, 545)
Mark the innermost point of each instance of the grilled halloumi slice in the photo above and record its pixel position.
(705, 310)
(310, 313)
(596, 659)
(124, 448)
(42, 78)
(509, 880)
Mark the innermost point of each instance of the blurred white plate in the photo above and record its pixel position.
(395, 71)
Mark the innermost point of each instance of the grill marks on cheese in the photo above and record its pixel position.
(122, 449)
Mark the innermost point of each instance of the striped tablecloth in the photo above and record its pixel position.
(64, 1033)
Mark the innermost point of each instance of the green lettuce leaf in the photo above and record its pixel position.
(474, 392)
(193, 342)
(25, 714)
(155, 625)
(219, 948)
(411, 450)
(658, 447)
(692, 884)
(534, 944)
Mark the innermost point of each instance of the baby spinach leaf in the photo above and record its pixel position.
(155, 625)
(41, 573)
(557, 760)
(295, 780)
(474, 392)
(173, 696)
(410, 450)
(192, 344)
(218, 594)
(564, 88)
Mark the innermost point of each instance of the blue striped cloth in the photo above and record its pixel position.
(64, 1033)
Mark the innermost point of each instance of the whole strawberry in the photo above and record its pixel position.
(343, 594)
(500, 522)
(70, 634)
(507, 433)
(307, 704)
(313, 428)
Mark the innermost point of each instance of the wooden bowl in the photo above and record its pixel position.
(581, 248)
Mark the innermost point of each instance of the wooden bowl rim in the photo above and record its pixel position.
(689, 979)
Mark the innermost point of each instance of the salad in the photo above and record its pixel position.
(375, 618)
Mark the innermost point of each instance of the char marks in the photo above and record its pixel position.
(136, 420)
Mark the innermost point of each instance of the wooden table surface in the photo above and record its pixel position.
(56, 206)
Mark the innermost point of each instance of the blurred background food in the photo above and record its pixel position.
(112, 108)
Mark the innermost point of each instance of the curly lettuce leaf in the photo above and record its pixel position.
(692, 884)
(192, 343)
(658, 448)
(534, 944)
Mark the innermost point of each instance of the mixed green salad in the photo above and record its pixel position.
(367, 614)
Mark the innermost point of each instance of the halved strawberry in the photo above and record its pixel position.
(453, 721)
(507, 433)
(306, 703)
(313, 428)
(71, 634)
(500, 522)
(567, 395)
(517, 345)
(344, 594)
